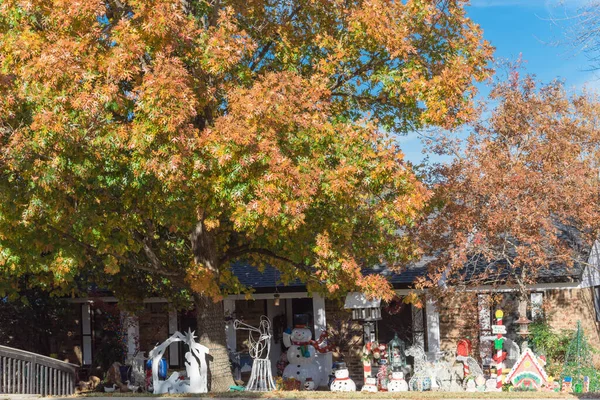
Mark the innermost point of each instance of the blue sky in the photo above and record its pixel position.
(527, 27)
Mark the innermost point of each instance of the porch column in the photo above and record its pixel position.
(433, 327)
(485, 326)
(132, 327)
(319, 314)
(324, 361)
(229, 308)
(173, 327)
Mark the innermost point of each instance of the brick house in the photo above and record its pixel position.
(563, 296)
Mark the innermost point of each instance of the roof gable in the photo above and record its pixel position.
(527, 362)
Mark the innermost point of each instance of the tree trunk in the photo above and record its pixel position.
(211, 332)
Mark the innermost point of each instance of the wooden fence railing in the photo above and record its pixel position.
(22, 372)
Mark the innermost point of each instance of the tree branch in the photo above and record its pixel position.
(342, 79)
(265, 50)
(246, 249)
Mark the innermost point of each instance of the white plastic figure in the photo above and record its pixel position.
(261, 377)
(309, 384)
(398, 383)
(342, 381)
(301, 356)
(370, 385)
(195, 366)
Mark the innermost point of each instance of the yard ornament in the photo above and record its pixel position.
(259, 345)
(471, 368)
(342, 381)
(396, 354)
(423, 377)
(500, 354)
(195, 366)
(528, 372)
(579, 364)
(301, 354)
(397, 383)
(370, 385)
(439, 375)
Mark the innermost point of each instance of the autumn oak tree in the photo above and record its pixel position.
(148, 144)
(521, 197)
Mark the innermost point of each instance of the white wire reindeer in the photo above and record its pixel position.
(261, 377)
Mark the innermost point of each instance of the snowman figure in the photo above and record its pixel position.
(342, 381)
(397, 384)
(309, 384)
(370, 385)
(301, 356)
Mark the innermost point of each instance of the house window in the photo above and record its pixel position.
(597, 301)
(537, 302)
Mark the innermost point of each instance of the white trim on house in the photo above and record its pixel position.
(535, 287)
(268, 296)
(112, 299)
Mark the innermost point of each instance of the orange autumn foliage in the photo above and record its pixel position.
(520, 202)
(146, 145)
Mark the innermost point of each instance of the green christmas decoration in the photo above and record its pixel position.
(579, 367)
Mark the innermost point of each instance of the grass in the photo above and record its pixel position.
(358, 395)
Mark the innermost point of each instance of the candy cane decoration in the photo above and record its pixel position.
(463, 351)
(367, 368)
(500, 354)
(318, 344)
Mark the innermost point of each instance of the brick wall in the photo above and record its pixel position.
(459, 319)
(154, 325)
(341, 325)
(563, 308)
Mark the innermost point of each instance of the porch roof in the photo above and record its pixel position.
(270, 279)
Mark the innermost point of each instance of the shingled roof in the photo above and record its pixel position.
(269, 279)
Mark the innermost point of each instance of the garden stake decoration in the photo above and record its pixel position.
(261, 378)
(500, 330)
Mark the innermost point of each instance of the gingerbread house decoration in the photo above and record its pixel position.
(528, 372)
